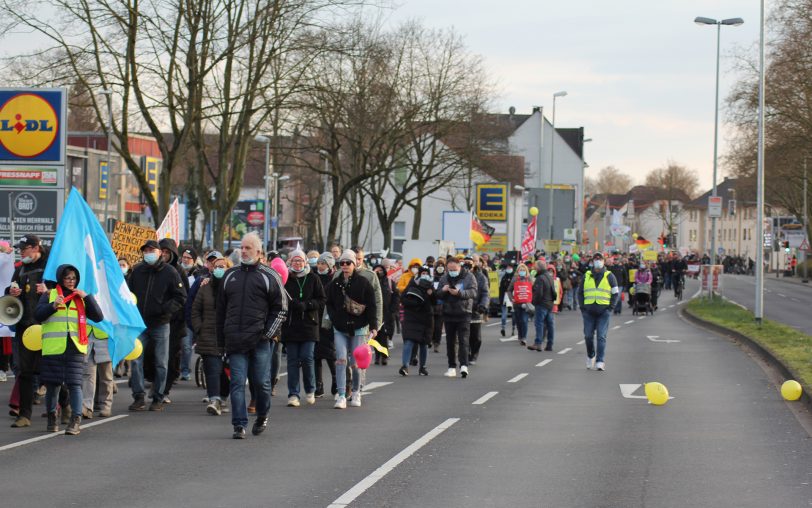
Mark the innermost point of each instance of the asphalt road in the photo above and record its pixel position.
(785, 302)
(559, 436)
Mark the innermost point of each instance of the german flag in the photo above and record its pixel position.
(480, 231)
(642, 243)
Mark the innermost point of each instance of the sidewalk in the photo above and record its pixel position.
(798, 281)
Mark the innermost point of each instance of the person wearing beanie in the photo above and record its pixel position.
(301, 330)
(418, 320)
(325, 348)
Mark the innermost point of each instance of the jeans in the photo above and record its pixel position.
(256, 364)
(186, 353)
(217, 386)
(159, 336)
(520, 317)
(52, 394)
(456, 333)
(504, 316)
(408, 347)
(301, 354)
(544, 319)
(345, 345)
(667, 280)
(595, 322)
(276, 361)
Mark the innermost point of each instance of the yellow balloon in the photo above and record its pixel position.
(657, 393)
(135, 299)
(791, 390)
(32, 338)
(136, 352)
(534, 211)
(635, 236)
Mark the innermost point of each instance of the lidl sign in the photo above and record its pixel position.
(492, 201)
(32, 126)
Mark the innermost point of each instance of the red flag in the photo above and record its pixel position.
(529, 240)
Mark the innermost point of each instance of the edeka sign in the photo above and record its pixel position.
(31, 126)
(492, 201)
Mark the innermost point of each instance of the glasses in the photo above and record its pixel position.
(69, 278)
(346, 263)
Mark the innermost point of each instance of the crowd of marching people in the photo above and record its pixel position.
(244, 311)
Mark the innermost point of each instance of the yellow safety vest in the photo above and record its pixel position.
(55, 330)
(601, 295)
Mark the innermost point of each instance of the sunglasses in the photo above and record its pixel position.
(346, 263)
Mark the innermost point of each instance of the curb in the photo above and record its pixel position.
(797, 283)
(763, 353)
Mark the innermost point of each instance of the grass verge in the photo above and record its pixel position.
(790, 346)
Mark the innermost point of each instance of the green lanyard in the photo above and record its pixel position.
(301, 288)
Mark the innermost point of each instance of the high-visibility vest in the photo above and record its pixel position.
(56, 328)
(600, 294)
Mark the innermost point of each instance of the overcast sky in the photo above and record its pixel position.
(639, 73)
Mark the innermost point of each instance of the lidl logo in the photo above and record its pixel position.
(30, 126)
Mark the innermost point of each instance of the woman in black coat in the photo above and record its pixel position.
(301, 330)
(418, 319)
(325, 348)
(387, 327)
(64, 352)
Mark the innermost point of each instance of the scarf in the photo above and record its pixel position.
(80, 310)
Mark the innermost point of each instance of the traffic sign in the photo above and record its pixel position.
(715, 206)
(804, 246)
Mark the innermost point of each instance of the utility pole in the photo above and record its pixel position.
(806, 228)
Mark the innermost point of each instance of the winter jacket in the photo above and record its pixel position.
(251, 307)
(544, 291)
(359, 289)
(200, 274)
(388, 323)
(480, 307)
(177, 324)
(325, 348)
(204, 318)
(307, 298)
(642, 277)
(372, 278)
(27, 276)
(504, 283)
(620, 273)
(418, 319)
(158, 290)
(458, 308)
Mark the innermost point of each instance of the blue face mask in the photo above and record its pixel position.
(522, 273)
(425, 277)
(312, 261)
(151, 258)
(453, 273)
(218, 273)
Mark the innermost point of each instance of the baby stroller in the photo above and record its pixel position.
(642, 300)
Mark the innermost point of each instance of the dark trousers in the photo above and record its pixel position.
(331, 364)
(27, 370)
(475, 340)
(456, 337)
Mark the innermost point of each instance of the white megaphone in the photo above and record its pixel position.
(11, 310)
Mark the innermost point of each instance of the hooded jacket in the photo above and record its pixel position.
(204, 318)
(407, 276)
(418, 319)
(158, 290)
(178, 321)
(27, 276)
(307, 298)
(458, 308)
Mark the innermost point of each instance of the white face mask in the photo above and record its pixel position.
(124, 270)
(27, 260)
(598, 263)
(324, 272)
(249, 262)
(187, 266)
(439, 269)
(522, 273)
(151, 258)
(414, 270)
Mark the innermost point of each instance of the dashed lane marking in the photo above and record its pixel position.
(565, 351)
(55, 434)
(485, 398)
(614, 328)
(581, 341)
(641, 317)
(508, 339)
(544, 362)
(629, 322)
(518, 378)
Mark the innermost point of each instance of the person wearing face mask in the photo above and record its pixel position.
(159, 294)
(412, 271)
(312, 259)
(418, 326)
(520, 294)
(300, 332)
(204, 326)
(28, 285)
(458, 290)
(325, 348)
(125, 266)
(192, 271)
(177, 326)
(437, 332)
(598, 295)
(504, 284)
(64, 312)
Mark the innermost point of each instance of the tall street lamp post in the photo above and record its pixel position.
(552, 161)
(728, 22)
(267, 226)
(109, 95)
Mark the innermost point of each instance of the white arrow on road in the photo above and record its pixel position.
(656, 338)
(627, 390)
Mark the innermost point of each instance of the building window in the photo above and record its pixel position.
(399, 230)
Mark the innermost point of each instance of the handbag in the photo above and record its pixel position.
(352, 307)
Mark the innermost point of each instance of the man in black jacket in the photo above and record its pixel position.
(160, 294)
(621, 277)
(544, 296)
(27, 285)
(251, 307)
(177, 325)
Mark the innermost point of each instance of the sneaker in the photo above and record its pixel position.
(464, 371)
(105, 413)
(156, 405)
(138, 405)
(534, 347)
(239, 432)
(522, 342)
(73, 427)
(21, 421)
(310, 398)
(451, 372)
(53, 426)
(224, 406)
(319, 391)
(341, 402)
(260, 424)
(87, 414)
(166, 401)
(205, 400)
(403, 371)
(423, 371)
(355, 401)
(589, 363)
(214, 408)
(186, 377)
(503, 332)
(293, 401)
(548, 348)
(3, 376)
(600, 366)
(390, 344)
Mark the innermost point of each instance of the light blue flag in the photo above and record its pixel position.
(80, 241)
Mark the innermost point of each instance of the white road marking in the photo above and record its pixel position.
(628, 389)
(376, 384)
(565, 351)
(680, 302)
(485, 398)
(544, 362)
(614, 328)
(782, 295)
(518, 378)
(581, 342)
(493, 324)
(671, 306)
(641, 317)
(508, 339)
(629, 322)
(55, 434)
(656, 338)
(373, 478)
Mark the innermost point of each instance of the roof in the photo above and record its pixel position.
(725, 189)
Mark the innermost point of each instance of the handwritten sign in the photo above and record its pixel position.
(128, 239)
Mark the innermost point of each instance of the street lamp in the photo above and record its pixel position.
(266, 179)
(552, 161)
(109, 94)
(582, 198)
(276, 179)
(759, 310)
(728, 22)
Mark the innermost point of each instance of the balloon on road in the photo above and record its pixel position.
(791, 390)
(657, 393)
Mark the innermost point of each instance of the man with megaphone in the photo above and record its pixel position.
(28, 285)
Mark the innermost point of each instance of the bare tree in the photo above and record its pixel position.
(609, 180)
(674, 178)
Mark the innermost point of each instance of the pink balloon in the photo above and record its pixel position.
(363, 356)
(281, 268)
